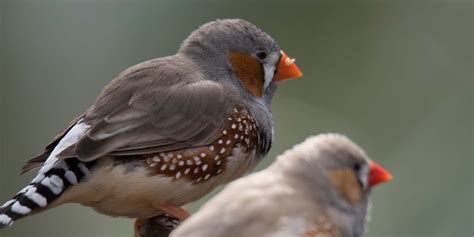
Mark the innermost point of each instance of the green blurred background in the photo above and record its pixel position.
(396, 76)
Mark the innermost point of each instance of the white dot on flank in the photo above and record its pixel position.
(153, 164)
(196, 170)
(222, 150)
(203, 155)
(189, 162)
(224, 132)
(204, 167)
(207, 176)
(181, 163)
(178, 175)
(219, 171)
(218, 162)
(187, 170)
(179, 156)
(172, 167)
(227, 142)
(220, 141)
(234, 126)
(216, 157)
(211, 148)
(236, 136)
(156, 159)
(163, 167)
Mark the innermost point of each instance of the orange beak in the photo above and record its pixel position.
(287, 68)
(378, 174)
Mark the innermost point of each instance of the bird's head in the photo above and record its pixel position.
(337, 174)
(237, 52)
(347, 167)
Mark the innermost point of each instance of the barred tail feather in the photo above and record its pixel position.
(5, 220)
(43, 190)
(54, 177)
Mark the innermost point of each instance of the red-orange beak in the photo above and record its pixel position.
(287, 68)
(377, 174)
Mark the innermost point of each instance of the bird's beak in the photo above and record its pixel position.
(377, 174)
(287, 68)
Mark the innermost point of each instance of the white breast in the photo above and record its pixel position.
(111, 186)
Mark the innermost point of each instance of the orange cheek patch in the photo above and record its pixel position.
(346, 183)
(250, 72)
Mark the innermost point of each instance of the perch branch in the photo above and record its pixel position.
(159, 226)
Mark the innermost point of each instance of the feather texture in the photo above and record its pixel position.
(153, 107)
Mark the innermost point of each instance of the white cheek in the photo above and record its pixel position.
(269, 71)
(364, 174)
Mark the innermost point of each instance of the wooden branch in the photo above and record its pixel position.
(159, 226)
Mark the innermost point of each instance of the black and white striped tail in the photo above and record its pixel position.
(43, 190)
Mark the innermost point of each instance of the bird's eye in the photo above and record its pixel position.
(261, 55)
(356, 167)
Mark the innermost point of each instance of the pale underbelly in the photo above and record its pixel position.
(116, 190)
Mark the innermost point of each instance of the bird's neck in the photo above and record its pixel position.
(263, 116)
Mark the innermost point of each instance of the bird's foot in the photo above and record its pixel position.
(138, 223)
(159, 226)
(178, 212)
(172, 217)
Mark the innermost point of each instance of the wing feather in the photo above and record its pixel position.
(156, 107)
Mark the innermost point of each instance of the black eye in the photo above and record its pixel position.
(262, 55)
(356, 167)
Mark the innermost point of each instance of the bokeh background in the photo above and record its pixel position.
(396, 76)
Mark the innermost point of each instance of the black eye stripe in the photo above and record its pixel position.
(357, 169)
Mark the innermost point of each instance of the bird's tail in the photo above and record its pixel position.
(50, 183)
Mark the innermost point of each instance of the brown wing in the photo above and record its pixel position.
(38, 160)
(159, 105)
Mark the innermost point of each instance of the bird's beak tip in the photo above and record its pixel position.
(287, 69)
(378, 174)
